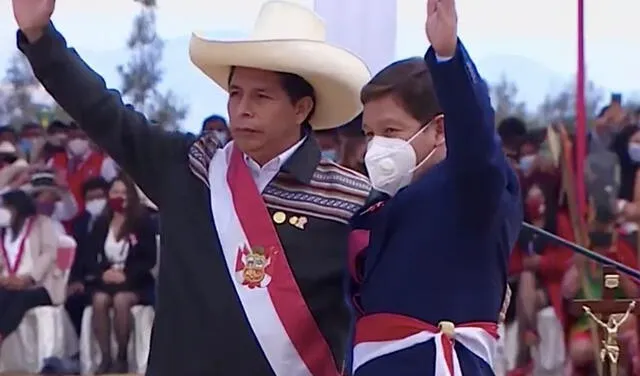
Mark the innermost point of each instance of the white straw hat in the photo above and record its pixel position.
(291, 38)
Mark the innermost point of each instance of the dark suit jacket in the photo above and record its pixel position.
(80, 227)
(200, 325)
(142, 252)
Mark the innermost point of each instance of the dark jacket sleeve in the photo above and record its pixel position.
(78, 231)
(144, 151)
(143, 255)
(474, 153)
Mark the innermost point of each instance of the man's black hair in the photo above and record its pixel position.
(512, 130)
(57, 126)
(94, 183)
(213, 118)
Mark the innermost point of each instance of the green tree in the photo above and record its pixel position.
(561, 106)
(17, 91)
(142, 75)
(504, 98)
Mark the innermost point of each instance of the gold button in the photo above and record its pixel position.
(293, 220)
(279, 217)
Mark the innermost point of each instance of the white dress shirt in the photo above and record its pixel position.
(263, 175)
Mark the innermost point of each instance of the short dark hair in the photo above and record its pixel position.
(512, 130)
(409, 81)
(91, 184)
(296, 88)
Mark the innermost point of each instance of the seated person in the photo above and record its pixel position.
(95, 196)
(28, 244)
(538, 263)
(52, 197)
(124, 241)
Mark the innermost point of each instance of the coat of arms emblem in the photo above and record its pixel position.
(253, 266)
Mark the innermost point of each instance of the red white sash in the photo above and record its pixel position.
(385, 333)
(272, 301)
(13, 269)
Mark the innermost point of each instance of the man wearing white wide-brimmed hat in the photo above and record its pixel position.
(254, 234)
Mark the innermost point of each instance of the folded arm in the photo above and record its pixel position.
(141, 149)
(473, 147)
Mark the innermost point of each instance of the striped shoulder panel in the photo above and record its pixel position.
(334, 193)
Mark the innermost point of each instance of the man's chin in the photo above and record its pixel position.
(248, 145)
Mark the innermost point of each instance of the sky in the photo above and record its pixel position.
(541, 30)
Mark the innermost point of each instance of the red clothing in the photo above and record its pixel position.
(90, 167)
(555, 259)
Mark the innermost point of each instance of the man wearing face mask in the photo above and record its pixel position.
(79, 163)
(31, 140)
(445, 222)
(217, 125)
(95, 197)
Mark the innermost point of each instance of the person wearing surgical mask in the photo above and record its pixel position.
(444, 216)
(626, 145)
(123, 239)
(217, 125)
(29, 245)
(31, 140)
(80, 162)
(52, 197)
(80, 279)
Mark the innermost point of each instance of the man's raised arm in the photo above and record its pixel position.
(473, 146)
(126, 135)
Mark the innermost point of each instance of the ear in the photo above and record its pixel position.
(303, 108)
(438, 125)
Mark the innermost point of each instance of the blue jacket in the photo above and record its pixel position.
(438, 250)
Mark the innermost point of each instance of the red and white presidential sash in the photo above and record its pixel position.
(272, 301)
(13, 268)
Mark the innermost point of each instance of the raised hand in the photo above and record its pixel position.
(33, 16)
(442, 26)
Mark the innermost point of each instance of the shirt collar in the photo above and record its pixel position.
(276, 163)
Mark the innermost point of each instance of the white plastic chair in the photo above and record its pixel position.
(44, 331)
(139, 342)
(549, 357)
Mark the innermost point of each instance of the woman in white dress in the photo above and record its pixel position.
(123, 239)
(28, 248)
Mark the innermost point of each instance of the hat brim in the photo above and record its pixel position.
(336, 75)
(39, 189)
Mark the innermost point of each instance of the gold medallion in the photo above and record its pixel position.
(279, 217)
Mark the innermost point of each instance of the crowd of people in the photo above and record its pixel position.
(55, 182)
(261, 220)
(546, 276)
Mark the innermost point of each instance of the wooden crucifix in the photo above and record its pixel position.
(610, 310)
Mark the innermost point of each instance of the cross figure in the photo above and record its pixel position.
(607, 307)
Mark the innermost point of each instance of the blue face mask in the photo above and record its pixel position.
(526, 163)
(634, 151)
(25, 145)
(330, 154)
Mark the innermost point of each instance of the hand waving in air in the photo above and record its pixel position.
(33, 16)
(442, 26)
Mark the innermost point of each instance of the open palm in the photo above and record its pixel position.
(33, 14)
(442, 26)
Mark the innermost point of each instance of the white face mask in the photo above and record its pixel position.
(391, 162)
(221, 136)
(5, 217)
(96, 206)
(78, 147)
